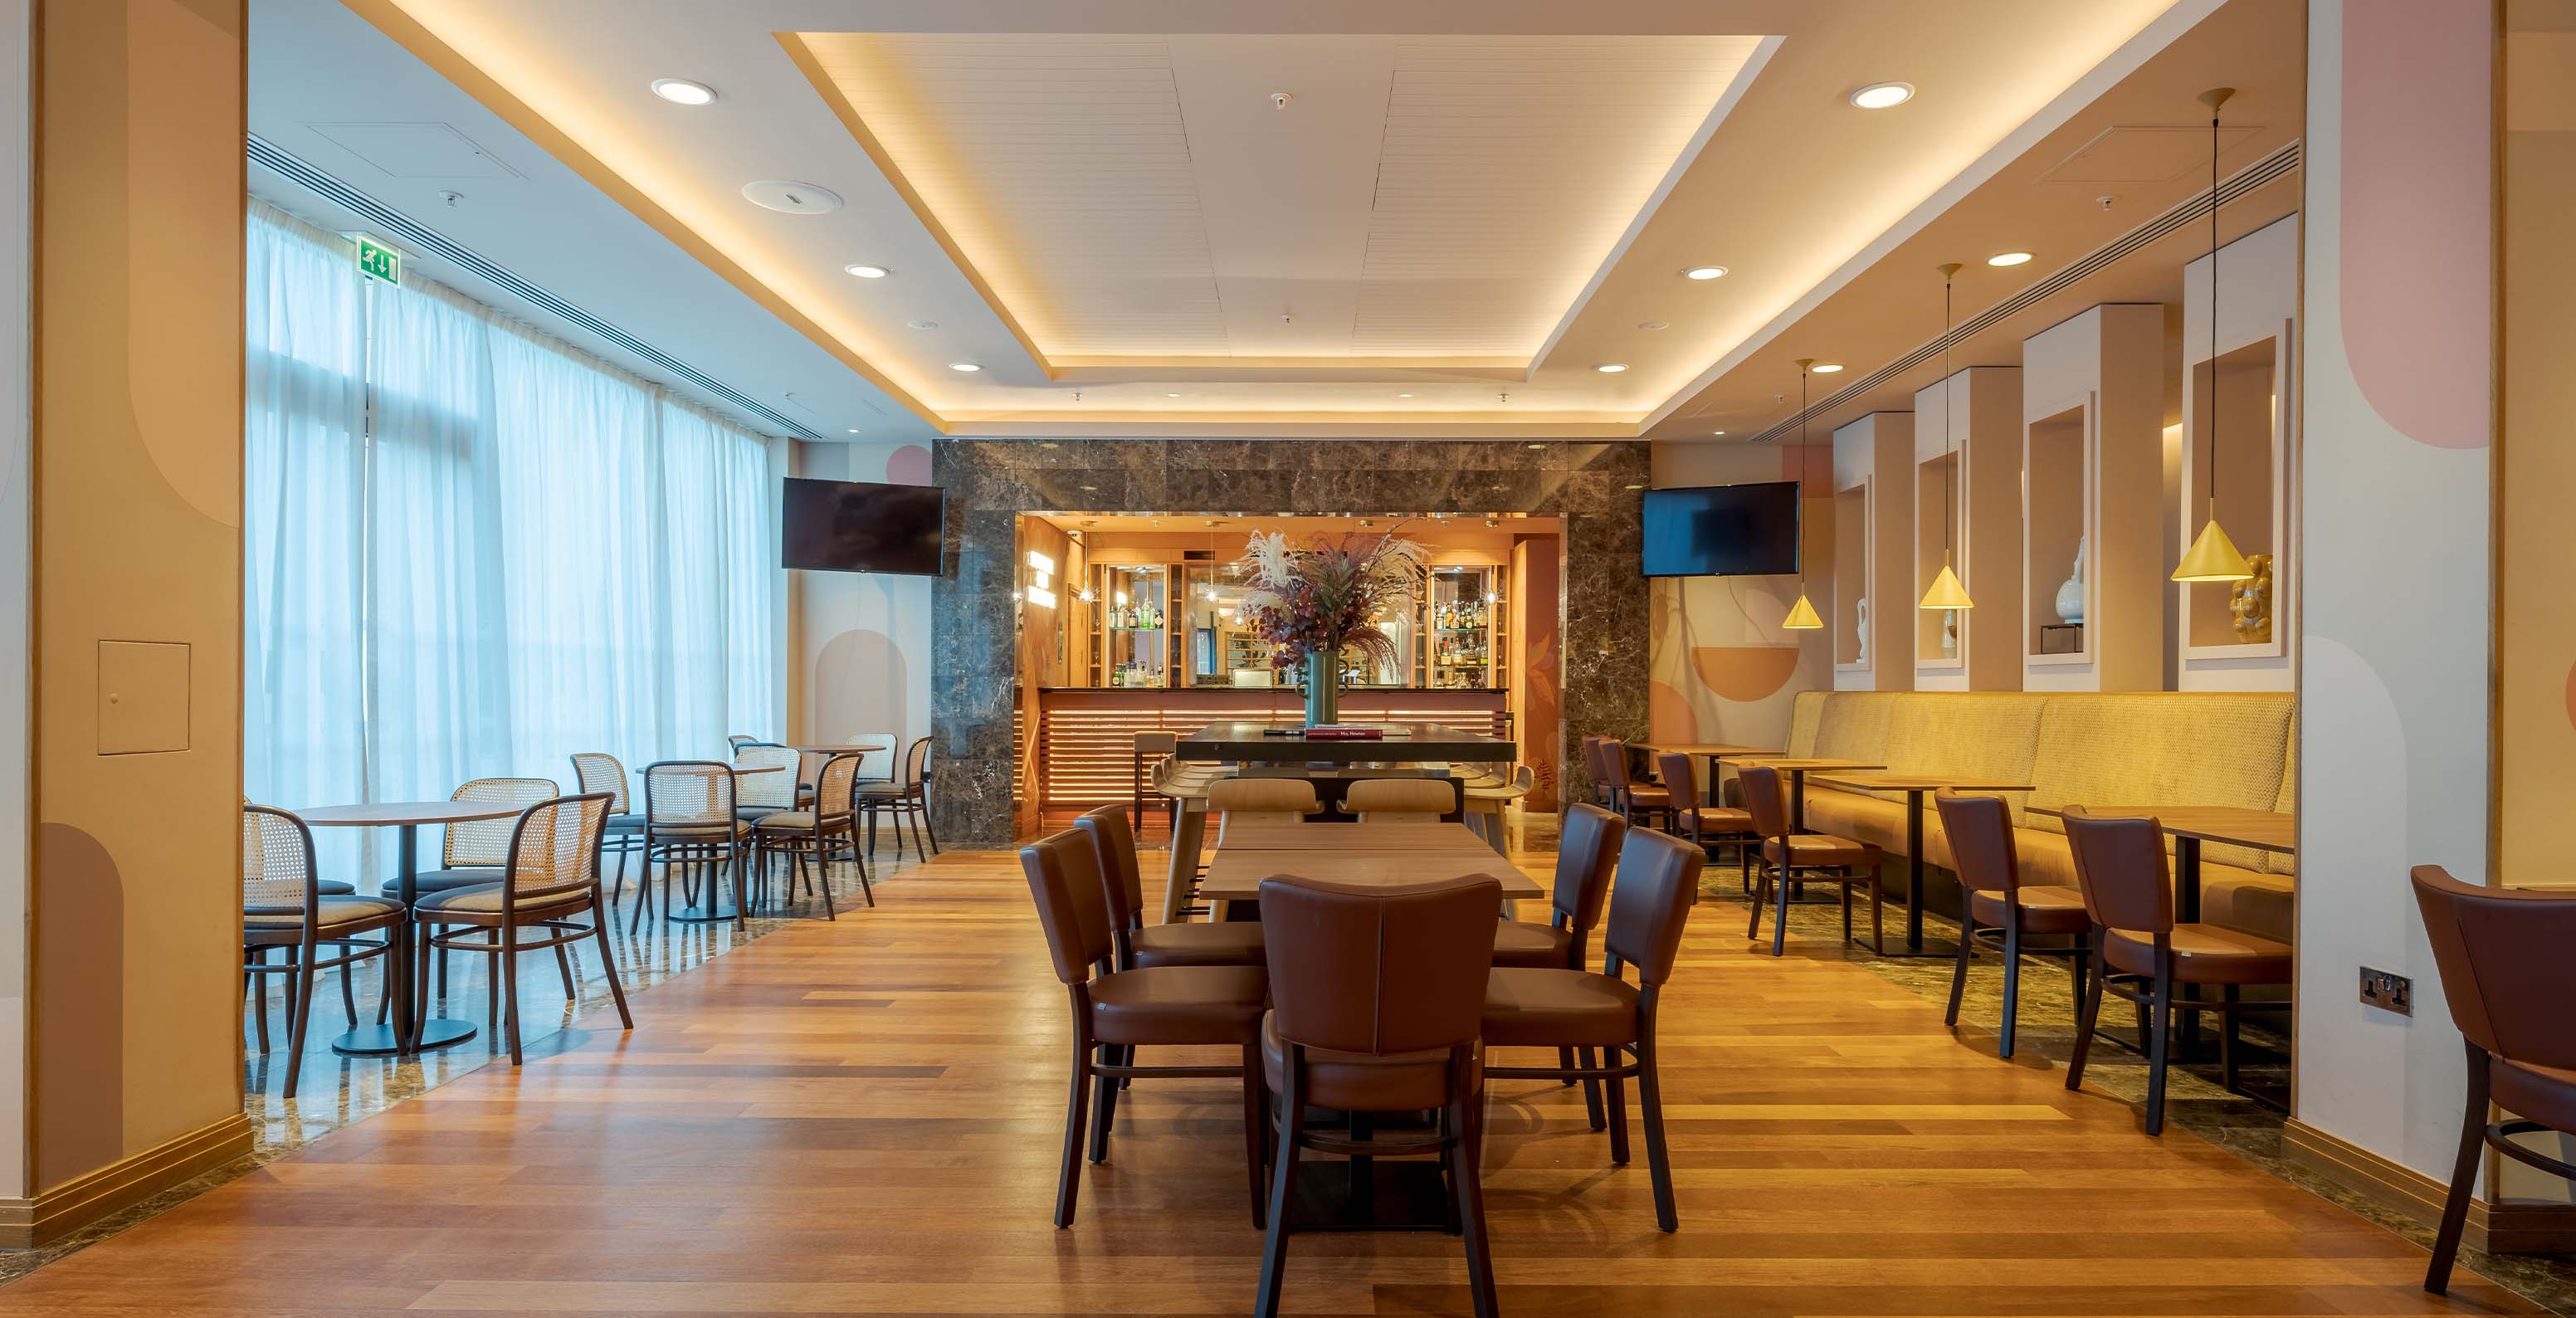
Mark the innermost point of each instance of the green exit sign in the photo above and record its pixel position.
(374, 258)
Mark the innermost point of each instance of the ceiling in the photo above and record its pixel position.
(1459, 213)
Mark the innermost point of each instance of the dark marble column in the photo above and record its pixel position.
(1592, 486)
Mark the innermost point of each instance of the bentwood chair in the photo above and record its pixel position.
(283, 905)
(759, 795)
(474, 850)
(876, 766)
(550, 876)
(739, 740)
(2502, 954)
(1528, 1008)
(1707, 826)
(907, 800)
(1400, 800)
(2120, 865)
(1352, 1029)
(2001, 909)
(1173, 943)
(1793, 860)
(830, 825)
(691, 826)
(1117, 1012)
(598, 771)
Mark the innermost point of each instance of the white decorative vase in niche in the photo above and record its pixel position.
(1860, 621)
(1949, 633)
(2070, 596)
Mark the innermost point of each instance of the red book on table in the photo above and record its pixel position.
(1344, 732)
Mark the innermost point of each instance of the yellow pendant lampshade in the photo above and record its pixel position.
(2213, 557)
(1946, 592)
(1802, 616)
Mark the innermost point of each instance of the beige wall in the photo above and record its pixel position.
(1723, 670)
(17, 123)
(858, 644)
(136, 611)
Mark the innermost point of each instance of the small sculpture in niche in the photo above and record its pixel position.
(2250, 602)
(1860, 615)
(1950, 633)
(2070, 594)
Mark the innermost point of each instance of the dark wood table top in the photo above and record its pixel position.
(1244, 739)
(1818, 763)
(1719, 749)
(1922, 782)
(1380, 853)
(2263, 830)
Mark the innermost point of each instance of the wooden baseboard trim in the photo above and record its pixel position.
(50, 1215)
(2509, 1228)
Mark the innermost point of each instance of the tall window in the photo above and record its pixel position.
(474, 550)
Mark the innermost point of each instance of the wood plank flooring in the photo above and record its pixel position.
(864, 1117)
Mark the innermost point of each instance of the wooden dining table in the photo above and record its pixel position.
(1713, 752)
(2191, 825)
(1797, 767)
(406, 817)
(1369, 853)
(1914, 785)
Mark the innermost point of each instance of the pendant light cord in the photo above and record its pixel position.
(1950, 494)
(2213, 313)
(1802, 472)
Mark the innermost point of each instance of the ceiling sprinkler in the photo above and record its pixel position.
(1278, 100)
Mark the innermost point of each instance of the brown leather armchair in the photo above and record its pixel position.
(2505, 971)
(1658, 881)
(1355, 1030)
(1788, 860)
(2120, 864)
(2002, 909)
(1116, 1013)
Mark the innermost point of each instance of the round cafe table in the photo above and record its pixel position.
(407, 817)
(713, 911)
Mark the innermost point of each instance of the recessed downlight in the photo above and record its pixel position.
(1654, 324)
(1540, 446)
(1404, 395)
(922, 324)
(866, 271)
(2008, 258)
(1826, 368)
(1611, 368)
(1717, 432)
(1174, 396)
(1705, 272)
(1883, 95)
(791, 197)
(681, 91)
(970, 368)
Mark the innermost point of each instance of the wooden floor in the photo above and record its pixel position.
(864, 1117)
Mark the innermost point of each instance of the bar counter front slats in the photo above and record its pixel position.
(1087, 736)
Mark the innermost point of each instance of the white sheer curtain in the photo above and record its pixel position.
(475, 550)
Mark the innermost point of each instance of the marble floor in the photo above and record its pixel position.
(335, 1091)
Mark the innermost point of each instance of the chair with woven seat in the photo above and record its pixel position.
(759, 795)
(691, 826)
(1118, 1012)
(1710, 826)
(474, 850)
(1790, 860)
(2001, 908)
(1486, 802)
(739, 740)
(599, 771)
(2502, 956)
(1562, 1008)
(2143, 955)
(907, 800)
(1172, 943)
(1353, 1029)
(283, 906)
(1400, 800)
(549, 876)
(829, 826)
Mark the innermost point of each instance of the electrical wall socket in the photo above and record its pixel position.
(2388, 992)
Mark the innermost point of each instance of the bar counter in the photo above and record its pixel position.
(1086, 752)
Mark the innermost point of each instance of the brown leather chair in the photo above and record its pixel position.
(1793, 860)
(1633, 798)
(2000, 908)
(2120, 864)
(1140, 945)
(1707, 825)
(1601, 793)
(1116, 1013)
(1658, 879)
(1587, 852)
(2502, 953)
(1355, 1030)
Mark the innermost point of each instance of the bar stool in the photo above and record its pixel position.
(1353, 1030)
(1485, 804)
(1789, 860)
(2120, 864)
(2521, 1046)
(1980, 832)
(1399, 800)
(1186, 786)
(1151, 747)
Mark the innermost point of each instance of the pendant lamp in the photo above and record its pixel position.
(1946, 592)
(1802, 615)
(2213, 556)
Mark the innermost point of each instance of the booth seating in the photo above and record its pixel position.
(2108, 749)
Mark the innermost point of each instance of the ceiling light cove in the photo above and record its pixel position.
(1611, 368)
(1883, 95)
(1705, 272)
(681, 91)
(1827, 368)
(2008, 258)
(970, 368)
(865, 271)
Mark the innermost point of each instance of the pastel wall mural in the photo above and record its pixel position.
(1722, 668)
(861, 642)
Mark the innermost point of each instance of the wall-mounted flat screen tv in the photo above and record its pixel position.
(1722, 530)
(853, 526)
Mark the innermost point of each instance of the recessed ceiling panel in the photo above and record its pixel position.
(1411, 197)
